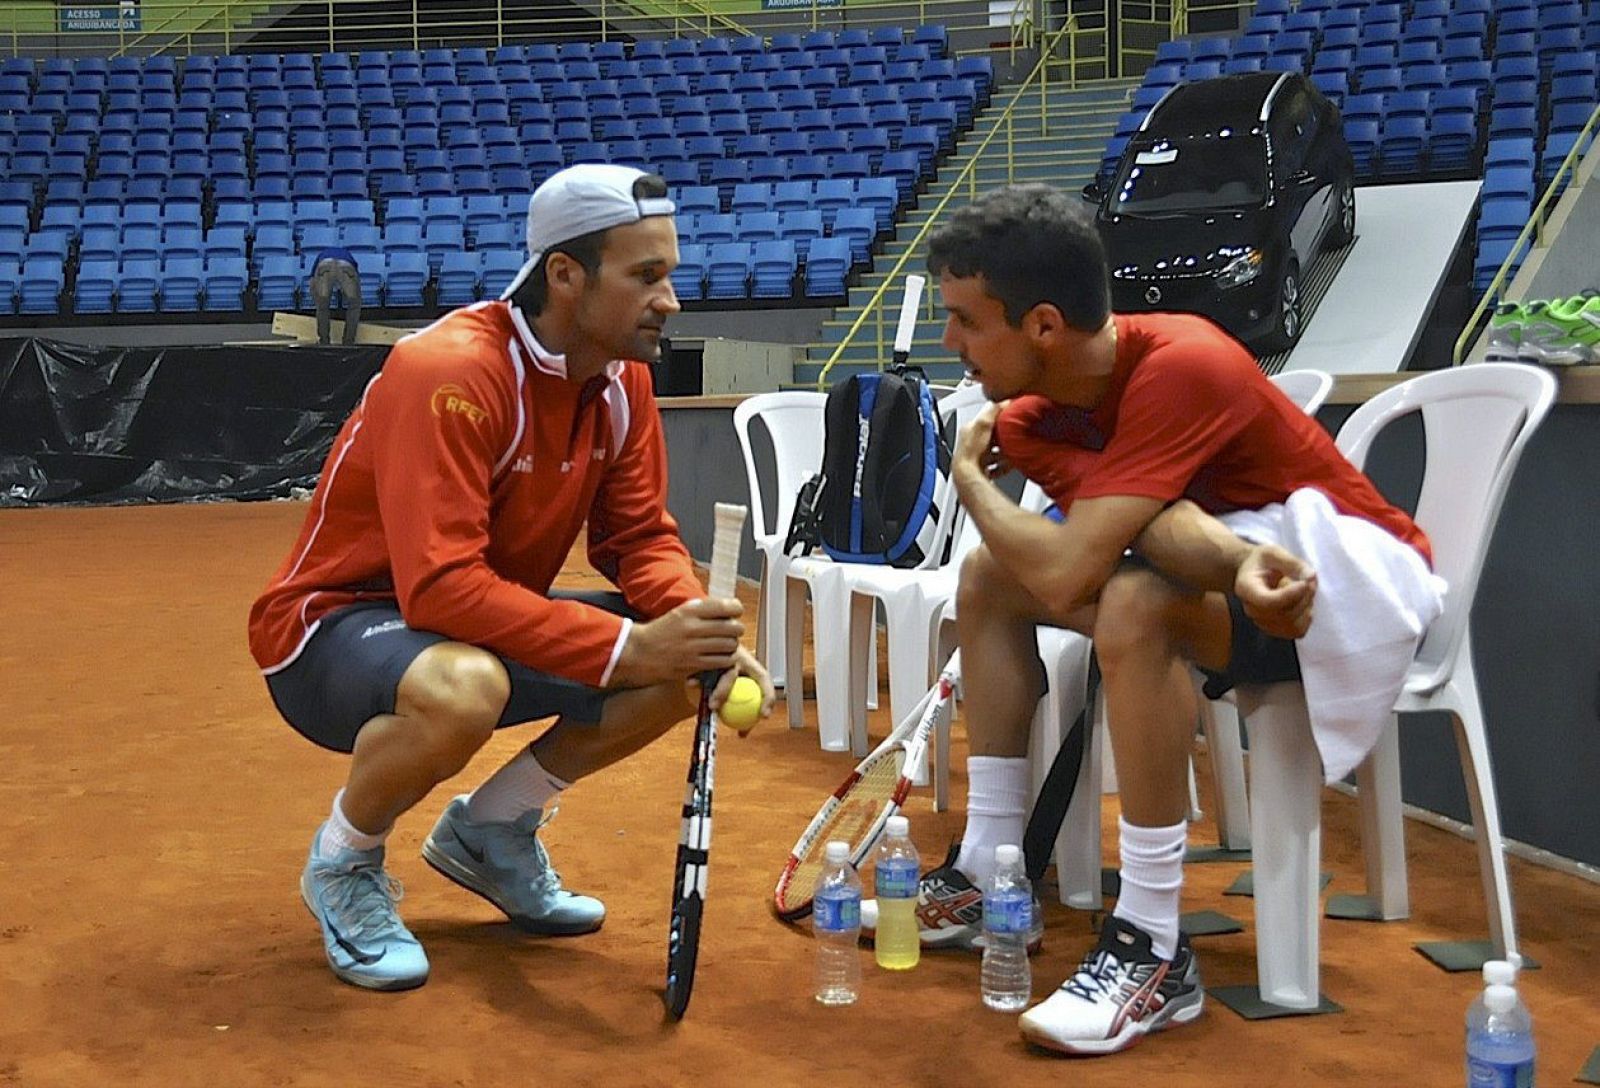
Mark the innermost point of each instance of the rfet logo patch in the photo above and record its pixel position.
(451, 399)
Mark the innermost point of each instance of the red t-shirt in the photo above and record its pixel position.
(1188, 415)
(460, 483)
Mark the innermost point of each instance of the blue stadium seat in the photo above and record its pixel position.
(10, 281)
(139, 286)
(802, 228)
(1362, 137)
(39, 290)
(880, 195)
(859, 226)
(827, 267)
(407, 275)
(278, 283)
(442, 237)
(728, 270)
(1402, 144)
(459, 278)
(1452, 142)
(96, 286)
(773, 266)
(688, 278)
(181, 281)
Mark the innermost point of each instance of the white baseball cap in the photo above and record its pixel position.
(580, 200)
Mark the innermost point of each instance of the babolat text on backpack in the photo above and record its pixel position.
(883, 457)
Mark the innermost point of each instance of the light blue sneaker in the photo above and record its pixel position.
(353, 899)
(508, 866)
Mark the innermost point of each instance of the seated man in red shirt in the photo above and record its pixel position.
(1141, 428)
(414, 615)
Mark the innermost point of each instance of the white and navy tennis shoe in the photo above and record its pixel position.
(1120, 993)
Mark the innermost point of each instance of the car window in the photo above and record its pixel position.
(1223, 171)
(1294, 128)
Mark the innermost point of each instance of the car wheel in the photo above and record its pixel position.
(1343, 230)
(1291, 316)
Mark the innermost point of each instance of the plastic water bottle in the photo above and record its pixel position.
(896, 870)
(836, 919)
(1005, 978)
(1499, 1033)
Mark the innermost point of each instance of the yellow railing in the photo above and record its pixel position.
(173, 25)
(1150, 26)
(207, 26)
(1532, 234)
(874, 309)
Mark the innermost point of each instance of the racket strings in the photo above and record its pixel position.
(852, 821)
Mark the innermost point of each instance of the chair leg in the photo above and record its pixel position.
(772, 627)
(1383, 833)
(944, 639)
(1219, 721)
(794, 692)
(1077, 847)
(1473, 743)
(829, 613)
(859, 667)
(1286, 829)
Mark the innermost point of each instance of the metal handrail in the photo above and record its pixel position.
(967, 174)
(1532, 232)
(224, 9)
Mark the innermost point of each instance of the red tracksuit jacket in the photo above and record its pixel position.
(458, 487)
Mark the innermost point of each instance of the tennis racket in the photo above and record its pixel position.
(908, 317)
(694, 841)
(859, 809)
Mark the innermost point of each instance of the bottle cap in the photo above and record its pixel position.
(899, 827)
(1499, 972)
(1499, 998)
(1007, 854)
(837, 852)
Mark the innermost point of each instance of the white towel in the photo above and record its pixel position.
(1375, 599)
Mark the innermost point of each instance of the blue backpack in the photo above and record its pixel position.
(883, 456)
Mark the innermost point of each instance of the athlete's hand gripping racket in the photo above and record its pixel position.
(694, 842)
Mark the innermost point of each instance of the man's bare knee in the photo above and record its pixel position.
(458, 692)
(982, 582)
(1135, 615)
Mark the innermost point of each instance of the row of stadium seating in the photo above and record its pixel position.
(728, 271)
(176, 171)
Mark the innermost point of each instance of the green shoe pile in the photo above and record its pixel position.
(1561, 332)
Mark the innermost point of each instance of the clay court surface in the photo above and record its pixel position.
(155, 813)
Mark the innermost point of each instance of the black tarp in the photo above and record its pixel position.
(169, 424)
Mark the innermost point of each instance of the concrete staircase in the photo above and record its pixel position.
(1080, 123)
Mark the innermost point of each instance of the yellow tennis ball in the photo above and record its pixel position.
(743, 706)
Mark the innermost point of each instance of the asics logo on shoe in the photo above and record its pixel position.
(1140, 999)
(959, 908)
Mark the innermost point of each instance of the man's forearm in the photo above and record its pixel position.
(1030, 547)
(1190, 546)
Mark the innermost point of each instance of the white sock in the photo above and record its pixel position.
(518, 787)
(997, 807)
(340, 834)
(1152, 878)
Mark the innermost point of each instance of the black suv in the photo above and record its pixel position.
(1222, 198)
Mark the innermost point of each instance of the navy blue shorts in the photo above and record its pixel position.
(350, 670)
(1254, 657)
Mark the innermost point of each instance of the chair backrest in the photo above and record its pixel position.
(793, 419)
(1307, 388)
(956, 409)
(1476, 420)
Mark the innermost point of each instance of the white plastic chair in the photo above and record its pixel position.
(1219, 721)
(1065, 656)
(830, 586)
(793, 420)
(1477, 421)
